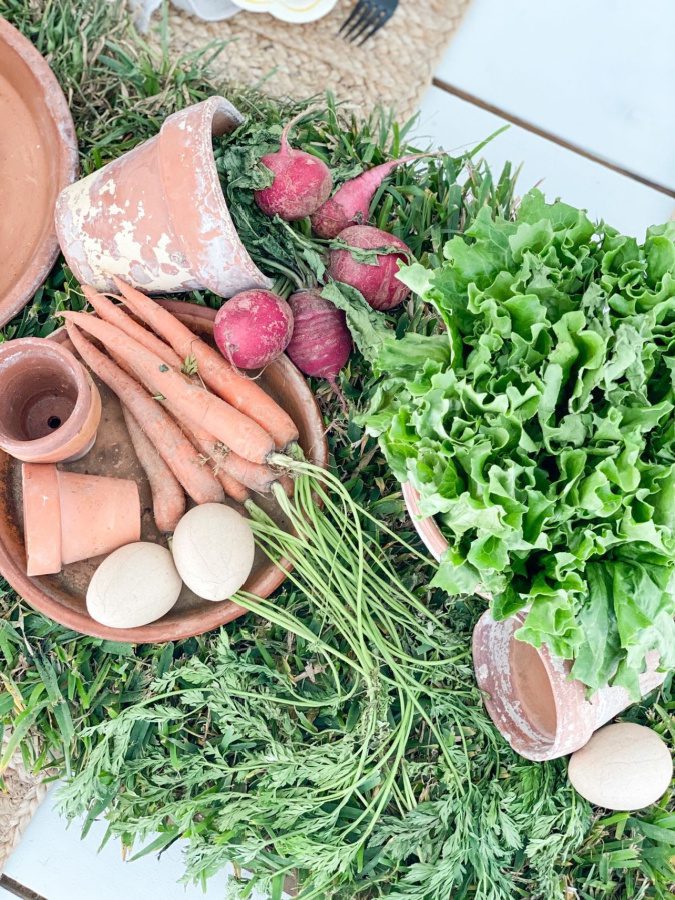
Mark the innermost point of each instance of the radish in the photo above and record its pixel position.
(253, 328)
(377, 282)
(350, 205)
(321, 344)
(301, 181)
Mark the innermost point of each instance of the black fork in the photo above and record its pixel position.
(366, 19)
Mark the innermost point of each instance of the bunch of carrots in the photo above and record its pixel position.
(207, 434)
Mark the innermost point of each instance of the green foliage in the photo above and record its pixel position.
(543, 441)
(192, 739)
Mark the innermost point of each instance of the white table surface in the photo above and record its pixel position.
(596, 75)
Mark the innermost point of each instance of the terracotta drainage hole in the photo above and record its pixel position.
(532, 686)
(54, 422)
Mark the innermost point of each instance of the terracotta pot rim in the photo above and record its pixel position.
(73, 435)
(57, 107)
(40, 488)
(194, 622)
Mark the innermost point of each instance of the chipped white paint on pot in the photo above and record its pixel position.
(538, 708)
(528, 692)
(156, 217)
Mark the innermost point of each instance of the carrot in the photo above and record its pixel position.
(252, 475)
(107, 311)
(256, 477)
(170, 442)
(243, 393)
(232, 487)
(193, 404)
(168, 499)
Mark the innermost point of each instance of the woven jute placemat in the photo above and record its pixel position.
(22, 795)
(394, 68)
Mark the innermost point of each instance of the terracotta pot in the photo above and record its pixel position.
(38, 158)
(69, 517)
(532, 700)
(157, 217)
(50, 409)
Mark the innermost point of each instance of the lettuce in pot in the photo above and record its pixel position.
(543, 440)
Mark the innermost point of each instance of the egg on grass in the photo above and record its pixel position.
(623, 767)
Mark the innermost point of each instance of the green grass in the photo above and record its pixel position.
(151, 735)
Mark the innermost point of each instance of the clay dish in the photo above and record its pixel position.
(38, 157)
(62, 596)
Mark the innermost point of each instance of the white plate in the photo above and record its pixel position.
(208, 10)
(296, 11)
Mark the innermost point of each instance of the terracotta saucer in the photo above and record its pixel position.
(38, 157)
(62, 597)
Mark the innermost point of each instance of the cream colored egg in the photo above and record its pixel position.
(213, 550)
(622, 767)
(134, 586)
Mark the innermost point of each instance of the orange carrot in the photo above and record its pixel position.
(242, 392)
(232, 487)
(194, 405)
(168, 499)
(252, 475)
(107, 311)
(170, 442)
(256, 477)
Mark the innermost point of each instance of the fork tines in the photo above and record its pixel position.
(367, 17)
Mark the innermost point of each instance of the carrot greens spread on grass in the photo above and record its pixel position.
(336, 735)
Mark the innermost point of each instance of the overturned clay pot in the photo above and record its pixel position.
(156, 217)
(532, 700)
(50, 409)
(69, 517)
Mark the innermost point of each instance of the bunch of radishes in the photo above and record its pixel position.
(255, 327)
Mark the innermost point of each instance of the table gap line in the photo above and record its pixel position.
(18, 889)
(549, 136)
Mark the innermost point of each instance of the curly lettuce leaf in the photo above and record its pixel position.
(543, 437)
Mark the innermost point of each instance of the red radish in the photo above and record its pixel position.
(253, 329)
(321, 342)
(350, 205)
(302, 182)
(378, 282)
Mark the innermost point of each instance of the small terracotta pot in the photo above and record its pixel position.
(156, 216)
(50, 409)
(538, 708)
(68, 517)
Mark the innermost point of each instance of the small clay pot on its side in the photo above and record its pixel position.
(156, 217)
(529, 694)
(50, 408)
(69, 517)
(538, 708)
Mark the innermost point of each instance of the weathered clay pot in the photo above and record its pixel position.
(38, 157)
(529, 695)
(50, 408)
(69, 517)
(156, 217)
(532, 700)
